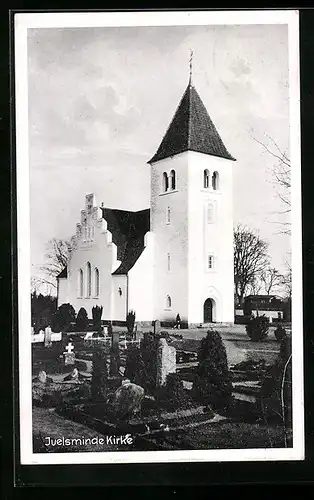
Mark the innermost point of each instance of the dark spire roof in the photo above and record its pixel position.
(191, 129)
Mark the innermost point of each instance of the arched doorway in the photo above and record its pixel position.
(208, 311)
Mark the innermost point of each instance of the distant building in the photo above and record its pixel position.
(271, 306)
(174, 257)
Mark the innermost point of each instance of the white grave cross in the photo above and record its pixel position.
(69, 348)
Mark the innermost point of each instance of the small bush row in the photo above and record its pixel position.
(258, 327)
(65, 317)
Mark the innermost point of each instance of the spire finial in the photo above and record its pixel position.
(191, 63)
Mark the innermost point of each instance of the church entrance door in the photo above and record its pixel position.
(208, 311)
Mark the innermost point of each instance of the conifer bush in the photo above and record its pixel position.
(115, 360)
(130, 321)
(276, 389)
(257, 328)
(172, 396)
(97, 313)
(280, 333)
(99, 382)
(148, 349)
(134, 366)
(213, 386)
(81, 320)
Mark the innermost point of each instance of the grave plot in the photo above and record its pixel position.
(145, 390)
(164, 405)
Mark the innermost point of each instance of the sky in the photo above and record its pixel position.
(101, 99)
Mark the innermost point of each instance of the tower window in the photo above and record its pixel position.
(165, 182)
(168, 262)
(172, 179)
(89, 280)
(168, 215)
(210, 261)
(206, 178)
(168, 302)
(215, 181)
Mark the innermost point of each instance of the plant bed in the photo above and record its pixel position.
(96, 416)
(56, 366)
(52, 394)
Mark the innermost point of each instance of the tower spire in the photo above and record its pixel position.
(191, 65)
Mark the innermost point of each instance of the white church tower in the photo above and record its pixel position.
(191, 218)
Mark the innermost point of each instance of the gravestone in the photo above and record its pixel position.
(126, 400)
(166, 361)
(157, 327)
(43, 378)
(69, 355)
(48, 340)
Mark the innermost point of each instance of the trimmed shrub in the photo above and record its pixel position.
(115, 360)
(280, 333)
(99, 385)
(213, 386)
(130, 320)
(148, 349)
(63, 317)
(81, 320)
(134, 366)
(257, 328)
(97, 313)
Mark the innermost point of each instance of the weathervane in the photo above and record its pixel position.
(191, 62)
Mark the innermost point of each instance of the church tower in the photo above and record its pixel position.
(192, 219)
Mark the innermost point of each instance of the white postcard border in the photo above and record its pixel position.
(23, 21)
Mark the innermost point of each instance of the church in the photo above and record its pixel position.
(176, 256)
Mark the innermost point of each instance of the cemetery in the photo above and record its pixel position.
(166, 390)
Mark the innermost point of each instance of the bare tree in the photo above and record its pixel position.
(58, 253)
(255, 286)
(271, 279)
(250, 259)
(286, 280)
(281, 172)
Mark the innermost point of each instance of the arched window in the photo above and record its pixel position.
(172, 179)
(89, 279)
(168, 302)
(165, 181)
(96, 282)
(206, 178)
(215, 181)
(168, 262)
(80, 283)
